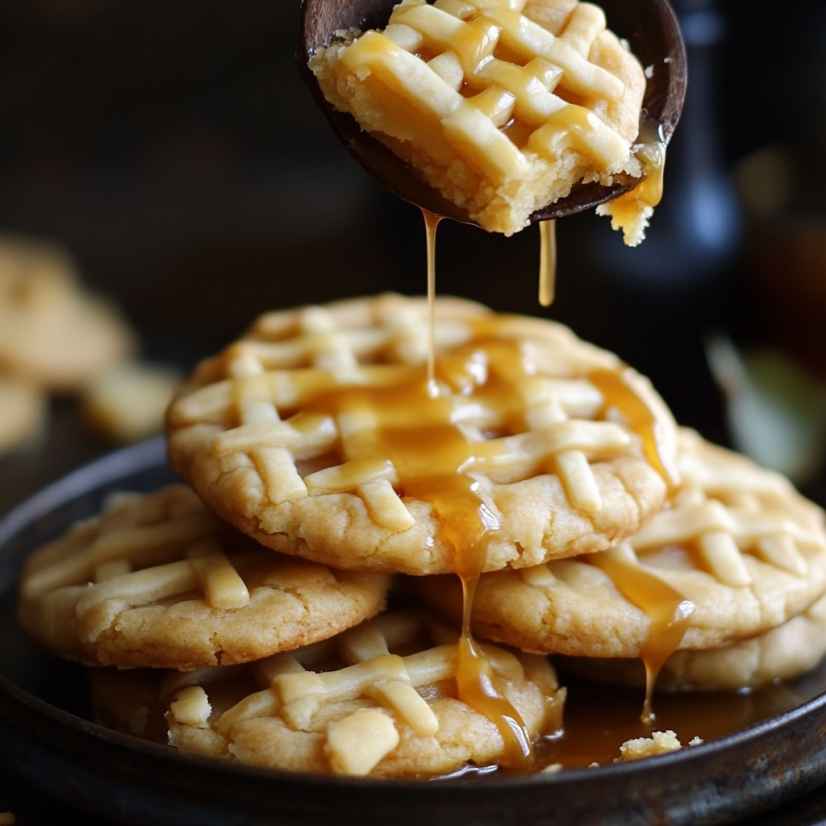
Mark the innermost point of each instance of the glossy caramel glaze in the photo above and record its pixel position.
(617, 393)
(547, 262)
(667, 610)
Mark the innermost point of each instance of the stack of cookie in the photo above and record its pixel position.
(57, 337)
(325, 460)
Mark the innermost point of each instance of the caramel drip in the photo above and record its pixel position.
(431, 224)
(666, 608)
(648, 193)
(617, 393)
(464, 518)
(476, 685)
(547, 262)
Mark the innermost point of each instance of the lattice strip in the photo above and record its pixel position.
(584, 26)
(720, 552)
(277, 469)
(260, 704)
(781, 551)
(245, 361)
(160, 582)
(141, 545)
(357, 744)
(578, 479)
(223, 587)
(142, 587)
(315, 437)
(385, 505)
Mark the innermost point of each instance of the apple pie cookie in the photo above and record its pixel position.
(52, 332)
(500, 105)
(784, 653)
(736, 553)
(319, 434)
(155, 581)
(378, 700)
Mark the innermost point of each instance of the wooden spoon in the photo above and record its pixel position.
(650, 26)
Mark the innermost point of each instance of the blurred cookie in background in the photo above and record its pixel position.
(53, 332)
(128, 402)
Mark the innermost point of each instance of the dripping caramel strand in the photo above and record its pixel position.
(476, 685)
(667, 610)
(431, 225)
(647, 194)
(547, 262)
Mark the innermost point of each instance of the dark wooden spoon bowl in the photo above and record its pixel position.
(650, 26)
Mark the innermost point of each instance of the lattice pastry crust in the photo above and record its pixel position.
(52, 331)
(560, 473)
(736, 540)
(501, 105)
(155, 581)
(382, 713)
(784, 653)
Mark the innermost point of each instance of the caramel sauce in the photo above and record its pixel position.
(668, 611)
(599, 718)
(547, 262)
(648, 193)
(617, 393)
(518, 132)
(476, 685)
(571, 118)
(431, 224)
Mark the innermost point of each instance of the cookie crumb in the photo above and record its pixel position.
(696, 741)
(554, 768)
(649, 71)
(660, 742)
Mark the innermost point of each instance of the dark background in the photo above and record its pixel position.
(174, 149)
